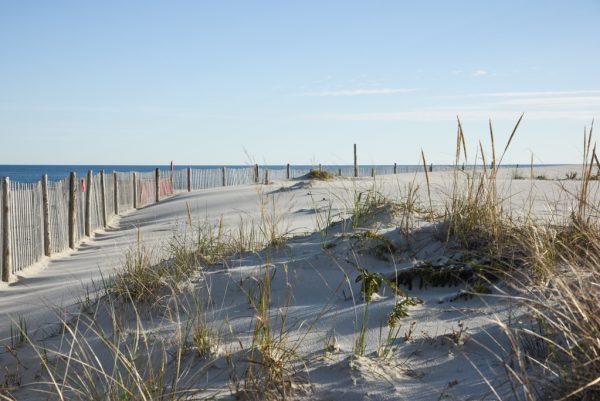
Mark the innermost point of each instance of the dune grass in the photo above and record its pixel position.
(550, 269)
(553, 269)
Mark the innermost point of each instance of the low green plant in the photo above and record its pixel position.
(271, 370)
(331, 343)
(321, 175)
(386, 346)
(139, 279)
(371, 282)
(365, 204)
(516, 175)
(479, 287)
(360, 344)
(458, 335)
(400, 310)
(205, 339)
(18, 334)
(328, 245)
(408, 335)
(272, 225)
(378, 237)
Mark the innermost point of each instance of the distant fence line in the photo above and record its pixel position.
(46, 217)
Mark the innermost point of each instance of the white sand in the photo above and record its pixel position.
(317, 285)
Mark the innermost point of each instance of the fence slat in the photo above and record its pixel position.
(6, 234)
(72, 209)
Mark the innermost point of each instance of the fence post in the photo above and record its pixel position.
(46, 215)
(256, 177)
(373, 172)
(157, 184)
(189, 179)
(395, 168)
(355, 163)
(339, 172)
(72, 208)
(88, 204)
(431, 167)
(320, 168)
(103, 199)
(6, 240)
(287, 171)
(116, 192)
(266, 176)
(224, 172)
(135, 200)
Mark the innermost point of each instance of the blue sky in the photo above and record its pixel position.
(224, 82)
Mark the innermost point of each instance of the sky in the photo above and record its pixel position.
(273, 82)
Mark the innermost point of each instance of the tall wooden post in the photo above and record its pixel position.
(116, 192)
(72, 208)
(287, 171)
(46, 215)
(431, 167)
(256, 177)
(373, 172)
(395, 168)
(6, 240)
(189, 179)
(88, 205)
(224, 172)
(355, 163)
(103, 199)
(339, 172)
(135, 197)
(266, 176)
(157, 184)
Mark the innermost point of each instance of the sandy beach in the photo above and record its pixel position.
(299, 200)
(333, 341)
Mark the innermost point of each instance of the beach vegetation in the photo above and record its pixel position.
(321, 175)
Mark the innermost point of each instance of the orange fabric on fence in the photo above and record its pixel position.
(166, 187)
(146, 192)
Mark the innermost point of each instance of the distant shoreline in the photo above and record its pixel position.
(28, 173)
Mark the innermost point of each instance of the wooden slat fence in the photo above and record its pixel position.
(1, 227)
(125, 185)
(27, 243)
(109, 194)
(145, 189)
(58, 198)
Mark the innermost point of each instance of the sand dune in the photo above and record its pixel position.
(448, 347)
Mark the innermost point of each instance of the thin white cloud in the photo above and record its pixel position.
(532, 94)
(357, 92)
(479, 73)
(443, 115)
(457, 72)
(556, 102)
